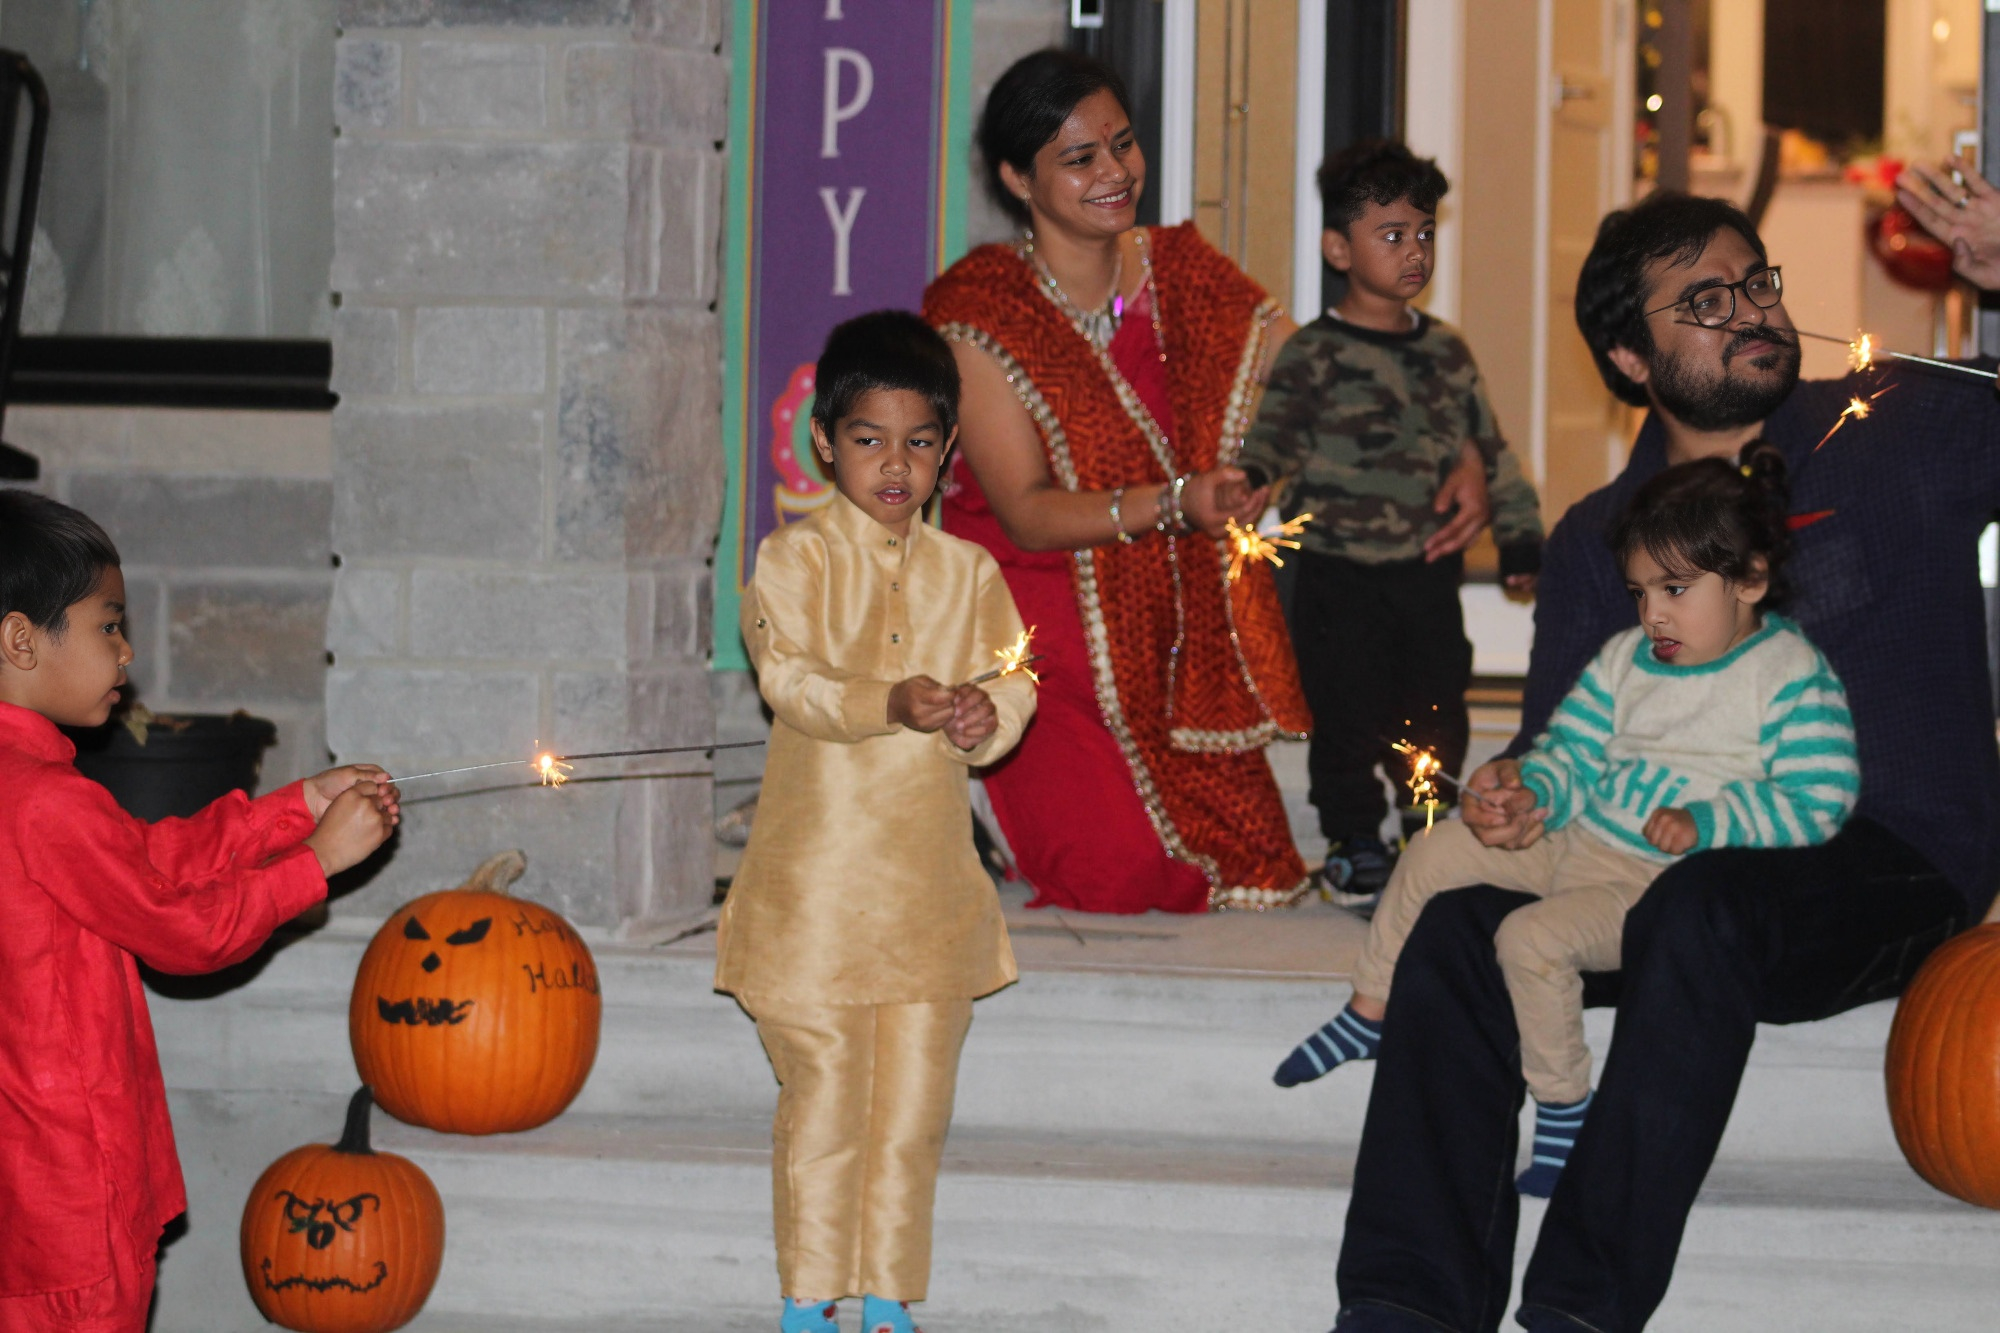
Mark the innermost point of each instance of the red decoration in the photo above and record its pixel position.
(1913, 256)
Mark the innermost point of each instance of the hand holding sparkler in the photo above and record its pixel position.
(322, 789)
(920, 703)
(354, 824)
(973, 717)
(1502, 810)
(1250, 545)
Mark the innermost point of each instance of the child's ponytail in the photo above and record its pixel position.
(1714, 516)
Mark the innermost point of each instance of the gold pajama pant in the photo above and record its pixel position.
(1586, 886)
(864, 1100)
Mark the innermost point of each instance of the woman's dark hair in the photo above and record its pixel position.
(1378, 171)
(1611, 289)
(1029, 104)
(1714, 516)
(51, 556)
(884, 349)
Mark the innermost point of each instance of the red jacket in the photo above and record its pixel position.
(85, 1142)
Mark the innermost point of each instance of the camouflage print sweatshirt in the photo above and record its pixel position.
(1366, 425)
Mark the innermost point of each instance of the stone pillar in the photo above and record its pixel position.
(527, 455)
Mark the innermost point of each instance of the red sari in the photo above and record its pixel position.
(1141, 783)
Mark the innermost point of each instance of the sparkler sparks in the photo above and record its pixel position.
(1857, 409)
(1863, 353)
(553, 769)
(1424, 772)
(1016, 656)
(1249, 545)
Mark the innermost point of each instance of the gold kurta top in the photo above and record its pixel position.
(860, 884)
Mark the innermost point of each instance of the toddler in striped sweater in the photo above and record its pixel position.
(1714, 722)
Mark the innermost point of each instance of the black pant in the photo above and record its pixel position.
(1721, 942)
(1383, 658)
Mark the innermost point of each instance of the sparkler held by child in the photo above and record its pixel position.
(1249, 545)
(1863, 353)
(553, 769)
(1016, 656)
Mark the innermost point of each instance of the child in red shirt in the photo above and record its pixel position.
(88, 1174)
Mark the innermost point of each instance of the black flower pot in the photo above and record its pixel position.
(187, 760)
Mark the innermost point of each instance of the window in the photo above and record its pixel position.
(189, 181)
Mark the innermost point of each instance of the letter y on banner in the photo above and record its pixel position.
(849, 143)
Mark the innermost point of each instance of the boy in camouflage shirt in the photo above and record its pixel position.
(1368, 412)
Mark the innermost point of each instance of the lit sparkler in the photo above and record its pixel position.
(1249, 545)
(1857, 409)
(1016, 656)
(1424, 772)
(553, 769)
(1862, 354)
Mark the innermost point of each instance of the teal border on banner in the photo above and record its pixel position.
(952, 173)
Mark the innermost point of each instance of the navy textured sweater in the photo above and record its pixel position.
(1887, 585)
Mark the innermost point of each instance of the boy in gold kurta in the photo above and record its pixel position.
(861, 925)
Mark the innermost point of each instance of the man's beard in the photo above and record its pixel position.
(1722, 402)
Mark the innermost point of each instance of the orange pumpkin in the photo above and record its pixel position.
(342, 1239)
(475, 1012)
(1944, 1068)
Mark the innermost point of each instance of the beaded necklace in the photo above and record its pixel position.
(1099, 326)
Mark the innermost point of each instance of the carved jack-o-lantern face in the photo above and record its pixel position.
(475, 1012)
(423, 1010)
(342, 1239)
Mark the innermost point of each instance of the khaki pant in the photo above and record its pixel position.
(1587, 887)
(864, 1100)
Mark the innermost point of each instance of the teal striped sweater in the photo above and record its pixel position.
(1758, 745)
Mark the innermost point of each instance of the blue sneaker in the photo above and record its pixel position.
(880, 1316)
(809, 1316)
(1357, 869)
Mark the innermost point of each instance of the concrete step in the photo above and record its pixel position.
(1110, 1052)
(614, 1221)
(1120, 1161)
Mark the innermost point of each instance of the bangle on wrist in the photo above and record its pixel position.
(1160, 513)
(1118, 519)
(1180, 517)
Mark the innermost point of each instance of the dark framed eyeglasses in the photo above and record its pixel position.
(1713, 307)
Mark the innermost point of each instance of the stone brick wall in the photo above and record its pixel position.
(527, 459)
(221, 521)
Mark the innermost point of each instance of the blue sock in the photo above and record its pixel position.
(880, 1316)
(1555, 1134)
(1346, 1036)
(808, 1316)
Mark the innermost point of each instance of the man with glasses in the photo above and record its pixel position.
(1684, 314)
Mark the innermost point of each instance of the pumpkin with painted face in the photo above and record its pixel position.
(475, 1012)
(342, 1239)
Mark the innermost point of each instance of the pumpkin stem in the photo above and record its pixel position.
(354, 1138)
(498, 871)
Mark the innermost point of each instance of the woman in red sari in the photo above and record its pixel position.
(1109, 374)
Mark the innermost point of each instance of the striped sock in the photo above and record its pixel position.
(1346, 1036)
(1556, 1128)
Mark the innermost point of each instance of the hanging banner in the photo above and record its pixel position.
(850, 142)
